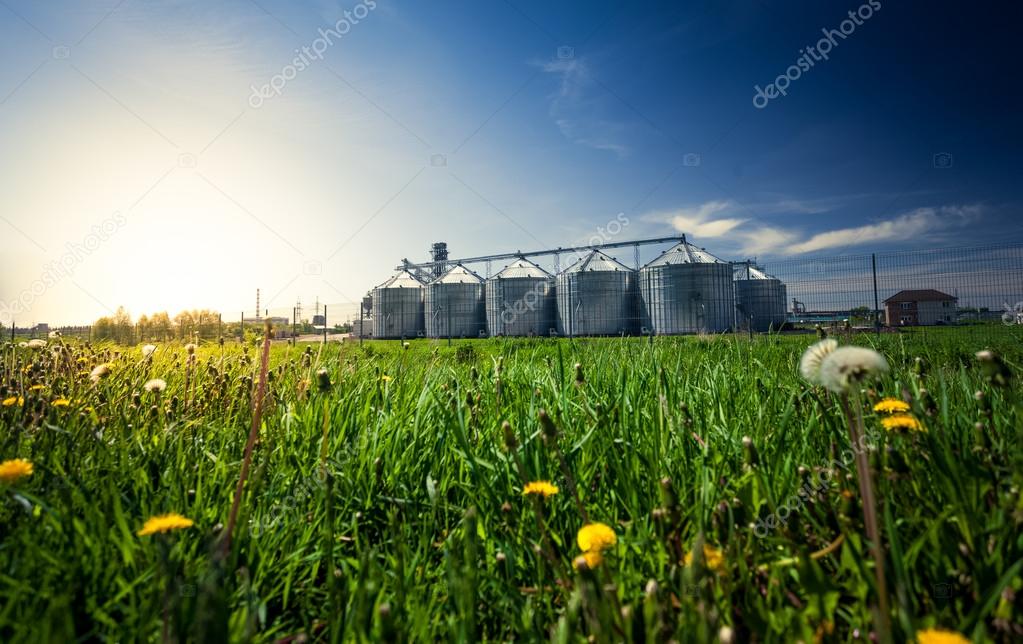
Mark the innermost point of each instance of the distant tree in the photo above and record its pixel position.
(185, 324)
(861, 312)
(103, 329)
(142, 324)
(160, 326)
(124, 330)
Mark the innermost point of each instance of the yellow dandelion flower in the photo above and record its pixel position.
(13, 400)
(61, 402)
(385, 378)
(891, 406)
(938, 636)
(546, 488)
(590, 560)
(14, 469)
(596, 537)
(902, 421)
(713, 559)
(36, 388)
(165, 523)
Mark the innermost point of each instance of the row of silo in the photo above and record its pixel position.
(684, 290)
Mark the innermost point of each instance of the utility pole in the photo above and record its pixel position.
(362, 327)
(324, 323)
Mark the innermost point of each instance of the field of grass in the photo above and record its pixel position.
(387, 503)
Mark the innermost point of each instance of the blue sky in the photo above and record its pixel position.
(494, 126)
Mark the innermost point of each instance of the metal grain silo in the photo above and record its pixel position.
(455, 305)
(686, 290)
(760, 299)
(519, 300)
(398, 307)
(596, 296)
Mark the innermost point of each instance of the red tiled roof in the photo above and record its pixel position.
(924, 295)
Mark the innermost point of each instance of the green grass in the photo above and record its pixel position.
(420, 531)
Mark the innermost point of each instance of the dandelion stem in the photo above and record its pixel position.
(854, 415)
(257, 413)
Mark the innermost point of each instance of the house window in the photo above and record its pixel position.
(906, 305)
(906, 319)
(948, 318)
(946, 304)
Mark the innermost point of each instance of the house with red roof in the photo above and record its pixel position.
(926, 307)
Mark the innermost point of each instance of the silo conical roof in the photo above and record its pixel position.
(596, 261)
(458, 274)
(402, 279)
(522, 267)
(685, 253)
(753, 274)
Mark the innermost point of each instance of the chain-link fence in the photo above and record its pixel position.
(977, 290)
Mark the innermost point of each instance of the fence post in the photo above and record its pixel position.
(324, 324)
(877, 312)
(12, 330)
(241, 328)
(749, 304)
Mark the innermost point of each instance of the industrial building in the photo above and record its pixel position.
(684, 290)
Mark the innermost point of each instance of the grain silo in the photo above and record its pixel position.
(519, 300)
(596, 296)
(686, 290)
(398, 307)
(760, 299)
(455, 305)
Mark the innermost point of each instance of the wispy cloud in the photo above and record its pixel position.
(701, 220)
(575, 109)
(722, 219)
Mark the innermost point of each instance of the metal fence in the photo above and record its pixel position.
(979, 287)
(973, 289)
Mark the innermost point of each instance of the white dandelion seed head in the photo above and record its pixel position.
(810, 363)
(99, 371)
(23, 345)
(54, 334)
(847, 366)
(190, 348)
(36, 343)
(148, 350)
(156, 384)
